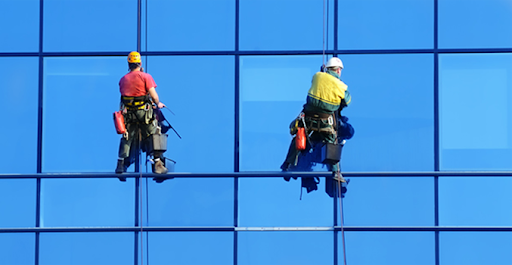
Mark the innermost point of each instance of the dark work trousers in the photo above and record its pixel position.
(317, 137)
(135, 120)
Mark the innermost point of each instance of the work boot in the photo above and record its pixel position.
(159, 168)
(285, 166)
(338, 177)
(120, 169)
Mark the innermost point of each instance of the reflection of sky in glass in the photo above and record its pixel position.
(285, 25)
(90, 25)
(474, 121)
(86, 248)
(200, 91)
(190, 25)
(377, 24)
(182, 248)
(190, 202)
(276, 248)
(281, 205)
(17, 248)
(87, 202)
(475, 201)
(17, 202)
(19, 128)
(80, 95)
(391, 111)
(272, 91)
(20, 26)
(388, 201)
(475, 23)
(465, 88)
(393, 248)
(475, 248)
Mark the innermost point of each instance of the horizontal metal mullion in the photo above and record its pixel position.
(112, 229)
(19, 54)
(169, 175)
(284, 228)
(263, 174)
(261, 229)
(259, 52)
(425, 228)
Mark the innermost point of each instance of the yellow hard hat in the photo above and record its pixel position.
(134, 57)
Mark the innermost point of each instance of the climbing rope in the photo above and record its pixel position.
(140, 200)
(323, 34)
(339, 177)
(139, 153)
(340, 203)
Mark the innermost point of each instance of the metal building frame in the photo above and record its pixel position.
(436, 174)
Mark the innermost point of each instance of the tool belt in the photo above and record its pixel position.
(135, 103)
(320, 122)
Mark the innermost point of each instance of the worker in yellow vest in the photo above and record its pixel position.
(326, 96)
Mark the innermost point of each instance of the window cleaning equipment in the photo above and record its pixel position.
(300, 139)
(119, 122)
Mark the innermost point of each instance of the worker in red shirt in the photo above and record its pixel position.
(138, 95)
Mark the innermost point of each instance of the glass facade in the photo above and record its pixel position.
(430, 164)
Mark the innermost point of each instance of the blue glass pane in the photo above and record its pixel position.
(17, 248)
(20, 30)
(19, 144)
(203, 104)
(475, 120)
(190, 248)
(18, 202)
(458, 27)
(388, 201)
(391, 24)
(86, 248)
(178, 25)
(391, 111)
(90, 25)
(387, 136)
(286, 25)
(275, 202)
(388, 248)
(80, 95)
(87, 202)
(273, 248)
(272, 92)
(475, 248)
(190, 202)
(470, 201)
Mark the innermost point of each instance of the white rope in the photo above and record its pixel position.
(341, 216)
(323, 34)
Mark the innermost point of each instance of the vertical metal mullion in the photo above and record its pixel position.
(335, 239)
(237, 91)
(39, 162)
(137, 159)
(139, 30)
(436, 131)
(237, 130)
(136, 221)
(139, 26)
(335, 210)
(335, 28)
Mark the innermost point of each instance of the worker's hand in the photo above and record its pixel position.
(161, 105)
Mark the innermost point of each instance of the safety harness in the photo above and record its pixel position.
(320, 122)
(135, 103)
(131, 105)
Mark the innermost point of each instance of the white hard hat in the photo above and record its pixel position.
(334, 62)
